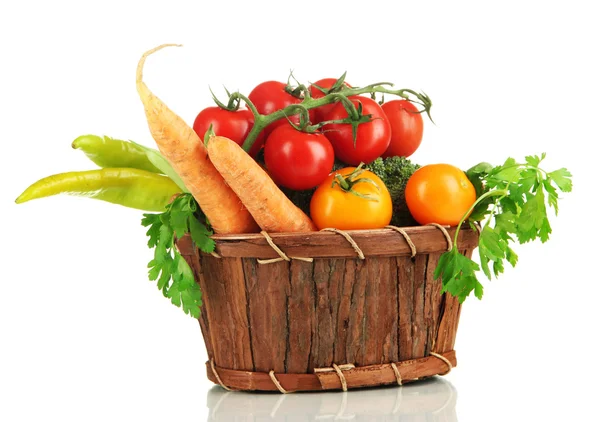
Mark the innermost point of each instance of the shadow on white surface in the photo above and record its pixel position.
(428, 400)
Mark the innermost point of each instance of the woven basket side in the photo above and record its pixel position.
(296, 316)
(293, 316)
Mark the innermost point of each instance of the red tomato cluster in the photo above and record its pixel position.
(300, 160)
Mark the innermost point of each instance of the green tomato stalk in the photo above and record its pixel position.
(347, 183)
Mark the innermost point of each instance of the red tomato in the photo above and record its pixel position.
(372, 138)
(271, 96)
(407, 127)
(298, 160)
(315, 92)
(235, 125)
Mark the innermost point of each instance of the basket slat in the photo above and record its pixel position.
(301, 302)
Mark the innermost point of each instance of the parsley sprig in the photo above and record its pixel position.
(174, 276)
(513, 199)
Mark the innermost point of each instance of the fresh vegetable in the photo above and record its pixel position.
(351, 199)
(235, 125)
(407, 128)
(109, 152)
(439, 193)
(517, 197)
(274, 104)
(174, 276)
(302, 198)
(132, 188)
(162, 164)
(298, 160)
(364, 134)
(182, 147)
(271, 96)
(323, 87)
(271, 209)
(395, 172)
(231, 193)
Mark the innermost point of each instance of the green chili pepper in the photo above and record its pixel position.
(132, 188)
(162, 164)
(109, 152)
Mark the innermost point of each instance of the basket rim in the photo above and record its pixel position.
(254, 236)
(328, 244)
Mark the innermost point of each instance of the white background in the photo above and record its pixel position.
(85, 336)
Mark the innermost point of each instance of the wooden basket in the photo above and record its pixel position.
(326, 310)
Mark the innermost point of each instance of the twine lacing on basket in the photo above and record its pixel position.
(277, 383)
(338, 370)
(411, 245)
(354, 245)
(446, 361)
(396, 373)
(216, 374)
(442, 358)
(445, 232)
(282, 255)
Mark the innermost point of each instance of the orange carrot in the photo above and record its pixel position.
(269, 206)
(186, 153)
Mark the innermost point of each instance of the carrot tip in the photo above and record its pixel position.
(140, 66)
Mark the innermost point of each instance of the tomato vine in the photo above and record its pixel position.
(340, 93)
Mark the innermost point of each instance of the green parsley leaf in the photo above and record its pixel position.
(200, 235)
(174, 277)
(179, 222)
(458, 275)
(562, 178)
(153, 231)
(513, 199)
(534, 160)
(511, 256)
(508, 172)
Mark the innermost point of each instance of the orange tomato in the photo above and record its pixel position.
(367, 205)
(439, 193)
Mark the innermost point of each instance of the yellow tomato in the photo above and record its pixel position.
(351, 199)
(439, 193)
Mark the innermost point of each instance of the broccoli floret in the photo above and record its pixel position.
(395, 172)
